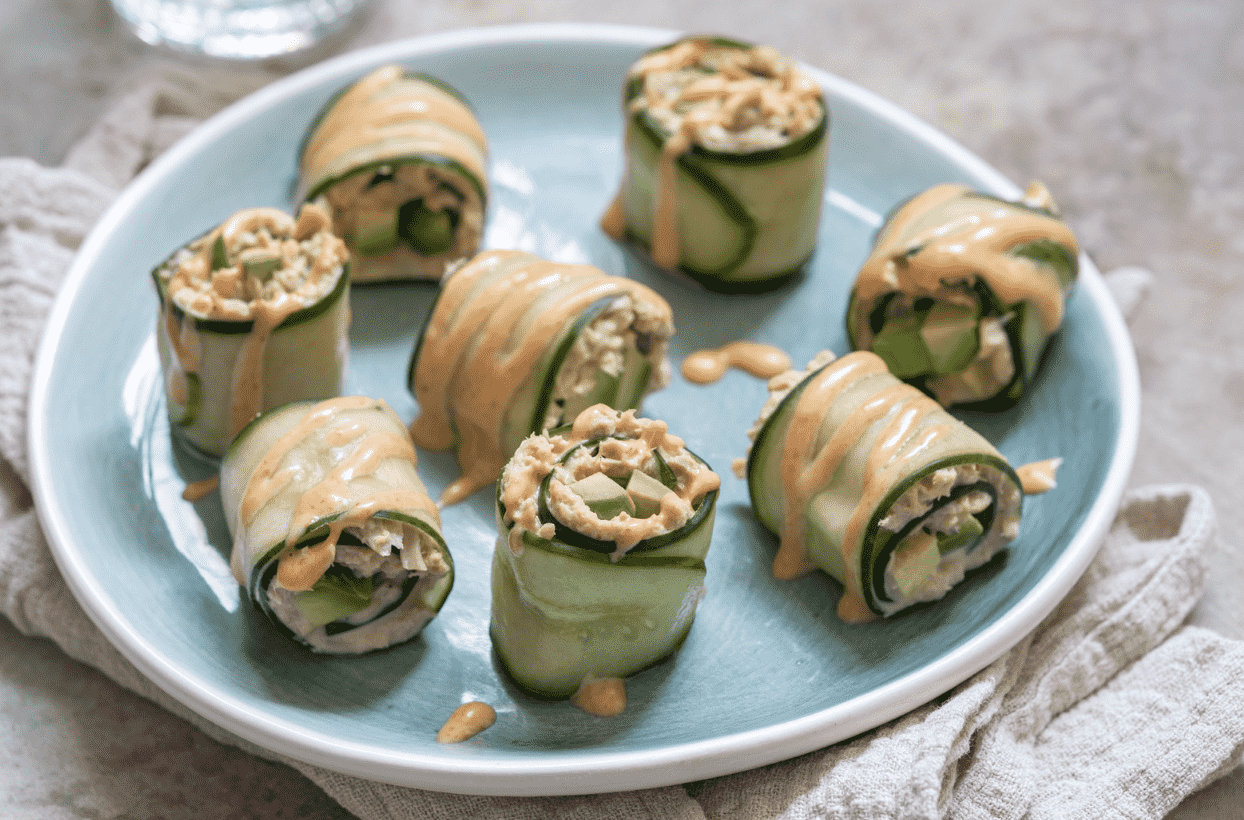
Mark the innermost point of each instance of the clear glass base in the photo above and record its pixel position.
(237, 29)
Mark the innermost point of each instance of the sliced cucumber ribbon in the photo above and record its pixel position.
(335, 537)
(232, 343)
(571, 603)
(963, 291)
(720, 193)
(515, 344)
(401, 161)
(868, 479)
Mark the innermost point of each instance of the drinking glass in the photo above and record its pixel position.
(238, 29)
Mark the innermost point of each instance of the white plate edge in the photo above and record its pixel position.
(585, 773)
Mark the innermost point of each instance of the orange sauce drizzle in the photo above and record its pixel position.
(298, 570)
(494, 321)
(733, 89)
(387, 114)
(971, 243)
(806, 468)
(760, 360)
(246, 395)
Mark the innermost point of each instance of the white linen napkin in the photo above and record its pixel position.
(1111, 708)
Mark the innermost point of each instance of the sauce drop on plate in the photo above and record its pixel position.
(758, 359)
(467, 721)
(601, 697)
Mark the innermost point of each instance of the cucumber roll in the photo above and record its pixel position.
(726, 146)
(515, 345)
(253, 314)
(599, 565)
(962, 292)
(334, 536)
(401, 163)
(872, 481)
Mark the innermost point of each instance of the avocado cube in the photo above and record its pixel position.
(646, 492)
(260, 263)
(603, 496)
(375, 232)
(965, 536)
(899, 342)
(220, 256)
(334, 597)
(429, 232)
(914, 561)
(951, 335)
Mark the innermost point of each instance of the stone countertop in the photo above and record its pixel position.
(1131, 113)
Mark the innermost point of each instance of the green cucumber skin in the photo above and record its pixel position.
(873, 561)
(773, 197)
(227, 327)
(259, 565)
(547, 646)
(697, 531)
(1042, 252)
(718, 253)
(763, 469)
(396, 161)
(553, 593)
(305, 359)
(529, 407)
(1006, 397)
(263, 570)
(339, 93)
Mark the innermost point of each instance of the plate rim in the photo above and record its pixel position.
(586, 773)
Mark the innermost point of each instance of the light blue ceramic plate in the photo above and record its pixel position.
(768, 671)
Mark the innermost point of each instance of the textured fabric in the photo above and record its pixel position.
(1110, 708)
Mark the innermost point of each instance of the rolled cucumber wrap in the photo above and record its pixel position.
(875, 483)
(515, 345)
(962, 292)
(334, 536)
(726, 146)
(401, 163)
(599, 565)
(253, 314)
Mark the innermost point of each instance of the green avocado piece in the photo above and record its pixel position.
(646, 492)
(901, 345)
(376, 233)
(603, 496)
(966, 535)
(260, 263)
(914, 561)
(950, 334)
(336, 595)
(428, 232)
(220, 257)
(1050, 254)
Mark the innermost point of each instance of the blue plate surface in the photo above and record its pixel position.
(768, 671)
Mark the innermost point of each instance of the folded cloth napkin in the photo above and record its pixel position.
(1111, 708)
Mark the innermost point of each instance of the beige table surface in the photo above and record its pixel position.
(1132, 112)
